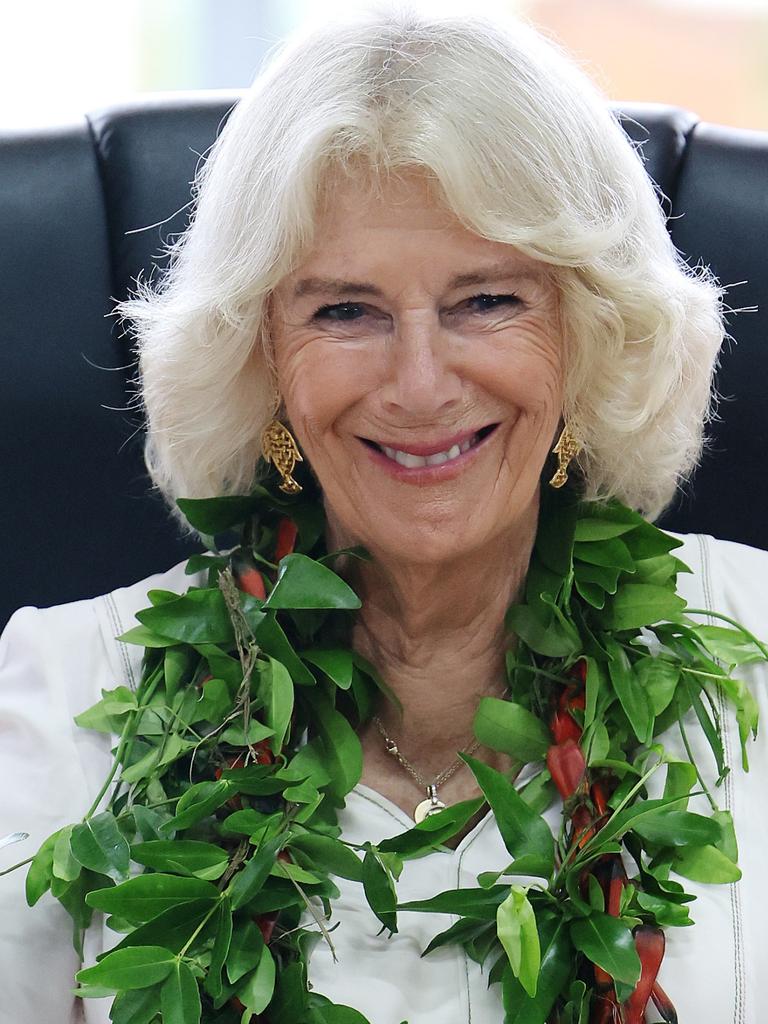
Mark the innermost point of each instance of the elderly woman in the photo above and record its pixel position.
(430, 280)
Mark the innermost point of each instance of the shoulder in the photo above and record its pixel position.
(79, 639)
(725, 577)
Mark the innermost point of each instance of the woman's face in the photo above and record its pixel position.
(420, 367)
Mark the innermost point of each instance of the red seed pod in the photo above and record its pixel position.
(266, 925)
(616, 885)
(250, 581)
(579, 670)
(287, 531)
(567, 767)
(262, 753)
(599, 798)
(649, 943)
(572, 697)
(564, 728)
(663, 1004)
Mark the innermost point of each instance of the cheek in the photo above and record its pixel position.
(525, 372)
(319, 382)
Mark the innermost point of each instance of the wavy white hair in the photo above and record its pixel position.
(524, 150)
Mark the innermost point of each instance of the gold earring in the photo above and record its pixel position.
(567, 448)
(278, 446)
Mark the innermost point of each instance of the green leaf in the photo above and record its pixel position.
(460, 932)
(143, 637)
(525, 833)
(431, 833)
(38, 879)
(611, 553)
(539, 792)
(727, 841)
(556, 961)
(279, 702)
(329, 854)
(65, 865)
(659, 678)
(681, 778)
(172, 928)
(337, 663)
(343, 756)
(198, 802)
(304, 583)
(480, 904)
(607, 942)
(247, 882)
(731, 646)
(631, 694)
(603, 576)
(215, 702)
(259, 986)
(220, 951)
(512, 729)
(711, 729)
(273, 641)
(101, 716)
(217, 515)
(235, 735)
(666, 913)
(244, 951)
(379, 890)
(183, 856)
(517, 932)
(595, 528)
(642, 604)
(136, 1006)
(145, 896)
(542, 633)
(678, 828)
(706, 864)
(135, 967)
(180, 996)
(198, 617)
(176, 667)
(99, 845)
(335, 1013)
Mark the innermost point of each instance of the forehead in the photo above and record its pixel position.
(367, 227)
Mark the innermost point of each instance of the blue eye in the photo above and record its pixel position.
(342, 311)
(491, 302)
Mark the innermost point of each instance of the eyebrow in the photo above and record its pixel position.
(337, 286)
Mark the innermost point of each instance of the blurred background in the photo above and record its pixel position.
(60, 60)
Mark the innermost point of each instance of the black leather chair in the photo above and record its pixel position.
(84, 209)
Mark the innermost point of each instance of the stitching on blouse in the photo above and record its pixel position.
(483, 824)
(376, 803)
(739, 1012)
(117, 625)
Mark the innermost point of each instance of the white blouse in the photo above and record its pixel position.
(53, 664)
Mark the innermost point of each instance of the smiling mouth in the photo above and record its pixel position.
(411, 461)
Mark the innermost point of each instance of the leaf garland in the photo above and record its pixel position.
(219, 840)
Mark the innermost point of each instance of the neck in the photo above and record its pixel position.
(436, 635)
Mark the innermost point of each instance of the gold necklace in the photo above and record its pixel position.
(433, 803)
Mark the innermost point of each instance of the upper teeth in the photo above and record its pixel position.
(412, 461)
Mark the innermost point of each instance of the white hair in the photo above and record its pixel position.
(525, 151)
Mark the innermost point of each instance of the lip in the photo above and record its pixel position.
(423, 475)
(425, 448)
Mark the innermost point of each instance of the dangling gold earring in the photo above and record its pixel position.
(567, 448)
(278, 446)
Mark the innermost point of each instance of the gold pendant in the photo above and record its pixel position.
(429, 806)
(279, 446)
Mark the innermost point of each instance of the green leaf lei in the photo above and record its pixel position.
(219, 840)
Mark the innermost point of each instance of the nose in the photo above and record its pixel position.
(422, 379)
